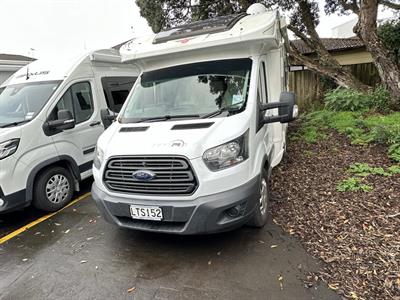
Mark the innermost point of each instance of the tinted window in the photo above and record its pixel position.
(116, 90)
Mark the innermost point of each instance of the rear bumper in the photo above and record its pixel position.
(13, 201)
(206, 214)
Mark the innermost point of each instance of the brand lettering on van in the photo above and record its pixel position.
(173, 144)
(34, 74)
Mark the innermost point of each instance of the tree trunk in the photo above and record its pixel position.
(366, 29)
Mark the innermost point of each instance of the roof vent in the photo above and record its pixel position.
(256, 8)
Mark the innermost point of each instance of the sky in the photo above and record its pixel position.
(48, 28)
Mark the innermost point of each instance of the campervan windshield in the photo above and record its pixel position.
(192, 90)
(20, 103)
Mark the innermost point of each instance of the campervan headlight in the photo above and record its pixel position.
(98, 157)
(228, 154)
(8, 148)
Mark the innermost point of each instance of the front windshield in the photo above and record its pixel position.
(21, 103)
(193, 90)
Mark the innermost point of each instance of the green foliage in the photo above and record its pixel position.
(342, 99)
(345, 100)
(364, 170)
(361, 128)
(353, 184)
(389, 33)
(394, 169)
(394, 152)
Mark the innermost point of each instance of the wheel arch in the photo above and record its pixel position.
(62, 161)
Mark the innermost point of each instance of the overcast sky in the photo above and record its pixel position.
(54, 27)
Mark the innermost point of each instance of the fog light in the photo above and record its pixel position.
(234, 211)
(2, 202)
(237, 210)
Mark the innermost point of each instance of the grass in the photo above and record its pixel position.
(361, 127)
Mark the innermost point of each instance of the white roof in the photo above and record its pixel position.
(252, 33)
(59, 68)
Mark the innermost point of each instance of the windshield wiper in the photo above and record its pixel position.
(14, 124)
(220, 111)
(166, 118)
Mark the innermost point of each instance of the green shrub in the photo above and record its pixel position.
(379, 99)
(346, 100)
(394, 152)
(342, 99)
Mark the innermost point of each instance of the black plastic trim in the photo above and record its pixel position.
(89, 150)
(134, 129)
(86, 166)
(192, 126)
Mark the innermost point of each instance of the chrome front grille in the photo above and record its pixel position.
(173, 175)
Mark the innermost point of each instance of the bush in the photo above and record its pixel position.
(342, 99)
(345, 100)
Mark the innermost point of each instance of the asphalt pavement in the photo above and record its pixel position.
(76, 255)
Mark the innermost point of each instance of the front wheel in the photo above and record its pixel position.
(259, 218)
(53, 189)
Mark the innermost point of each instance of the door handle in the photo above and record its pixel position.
(96, 123)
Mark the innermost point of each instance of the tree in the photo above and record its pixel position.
(389, 33)
(304, 17)
(367, 30)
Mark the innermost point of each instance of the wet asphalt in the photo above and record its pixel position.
(76, 255)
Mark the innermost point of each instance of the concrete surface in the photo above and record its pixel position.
(76, 255)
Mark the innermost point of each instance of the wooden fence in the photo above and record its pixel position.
(310, 87)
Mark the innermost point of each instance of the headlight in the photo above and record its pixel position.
(8, 148)
(98, 158)
(228, 154)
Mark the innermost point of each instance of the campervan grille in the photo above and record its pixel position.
(173, 175)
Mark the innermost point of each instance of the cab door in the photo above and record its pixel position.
(269, 90)
(78, 143)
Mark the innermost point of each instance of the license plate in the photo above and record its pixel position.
(140, 212)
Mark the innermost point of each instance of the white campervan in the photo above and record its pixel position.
(194, 145)
(50, 120)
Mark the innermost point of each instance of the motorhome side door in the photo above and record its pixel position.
(79, 143)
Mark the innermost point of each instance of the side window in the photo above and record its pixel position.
(78, 100)
(262, 84)
(116, 90)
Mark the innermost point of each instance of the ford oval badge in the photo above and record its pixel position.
(143, 175)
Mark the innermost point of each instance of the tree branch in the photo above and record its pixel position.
(390, 4)
(353, 6)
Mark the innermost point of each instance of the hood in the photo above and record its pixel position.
(10, 133)
(190, 138)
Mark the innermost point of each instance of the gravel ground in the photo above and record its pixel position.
(356, 234)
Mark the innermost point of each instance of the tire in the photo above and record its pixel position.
(61, 179)
(260, 216)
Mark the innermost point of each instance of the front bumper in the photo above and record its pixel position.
(206, 214)
(13, 201)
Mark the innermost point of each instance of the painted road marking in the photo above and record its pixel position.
(40, 220)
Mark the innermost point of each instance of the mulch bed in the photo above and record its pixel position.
(356, 234)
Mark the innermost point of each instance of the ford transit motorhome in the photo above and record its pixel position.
(195, 143)
(50, 119)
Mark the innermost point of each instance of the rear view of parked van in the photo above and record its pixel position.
(50, 120)
(194, 146)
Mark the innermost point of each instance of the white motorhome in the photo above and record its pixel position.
(195, 143)
(50, 120)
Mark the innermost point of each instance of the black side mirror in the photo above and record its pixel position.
(287, 109)
(65, 121)
(107, 118)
